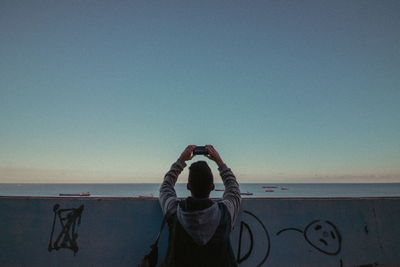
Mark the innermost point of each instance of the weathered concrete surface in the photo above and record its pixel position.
(269, 232)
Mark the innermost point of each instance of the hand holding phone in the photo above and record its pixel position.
(200, 150)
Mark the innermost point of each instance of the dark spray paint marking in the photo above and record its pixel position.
(322, 235)
(240, 259)
(327, 235)
(289, 229)
(69, 219)
(247, 255)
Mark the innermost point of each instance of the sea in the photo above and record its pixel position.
(259, 190)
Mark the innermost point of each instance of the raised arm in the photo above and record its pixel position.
(231, 197)
(168, 199)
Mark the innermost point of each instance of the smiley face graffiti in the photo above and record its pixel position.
(323, 235)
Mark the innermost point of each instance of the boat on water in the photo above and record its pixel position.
(246, 193)
(83, 194)
(269, 190)
(219, 189)
(269, 186)
(284, 188)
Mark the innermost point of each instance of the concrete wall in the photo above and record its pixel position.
(268, 232)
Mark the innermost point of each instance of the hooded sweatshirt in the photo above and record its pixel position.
(199, 224)
(199, 217)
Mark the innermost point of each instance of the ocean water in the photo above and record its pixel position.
(258, 190)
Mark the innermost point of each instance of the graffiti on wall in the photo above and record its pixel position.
(322, 235)
(64, 234)
(257, 246)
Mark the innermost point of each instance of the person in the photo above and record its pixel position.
(199, 228)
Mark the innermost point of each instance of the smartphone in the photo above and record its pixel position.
(200, 150)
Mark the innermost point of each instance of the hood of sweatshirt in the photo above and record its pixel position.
(200, 224)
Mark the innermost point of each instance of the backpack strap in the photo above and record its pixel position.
(166, 217)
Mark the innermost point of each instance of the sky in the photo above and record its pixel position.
(113, 91)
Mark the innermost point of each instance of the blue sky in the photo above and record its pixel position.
(113, 91)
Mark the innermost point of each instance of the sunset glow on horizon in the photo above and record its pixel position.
(113, 91)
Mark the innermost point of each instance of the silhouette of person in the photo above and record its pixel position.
(199, 228)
